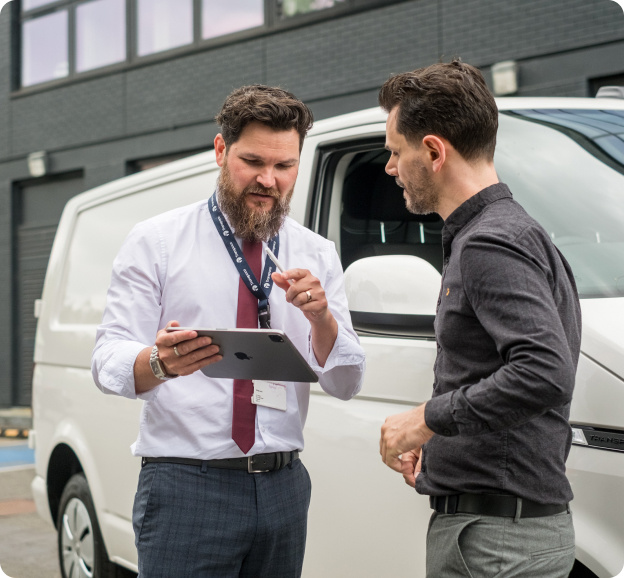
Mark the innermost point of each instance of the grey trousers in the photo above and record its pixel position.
(192, 522)
(470, 546)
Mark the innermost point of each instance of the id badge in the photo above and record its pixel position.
(269, 394)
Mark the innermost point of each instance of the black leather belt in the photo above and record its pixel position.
(493, 505)
(257, 464)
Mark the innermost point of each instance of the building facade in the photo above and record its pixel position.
(92, 90)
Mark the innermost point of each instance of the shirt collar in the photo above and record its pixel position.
(463, 214)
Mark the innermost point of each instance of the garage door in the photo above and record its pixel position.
(38, 210)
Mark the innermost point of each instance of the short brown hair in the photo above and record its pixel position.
(274, 107)
(450, 100)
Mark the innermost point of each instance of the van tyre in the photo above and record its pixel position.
(80, 546)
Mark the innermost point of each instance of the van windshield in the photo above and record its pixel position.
(566, 168)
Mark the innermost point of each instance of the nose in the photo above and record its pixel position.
(266, 178)
(391, 167)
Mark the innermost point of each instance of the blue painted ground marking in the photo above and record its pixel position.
(18, 455)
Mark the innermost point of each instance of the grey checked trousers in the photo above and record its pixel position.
(192, 522)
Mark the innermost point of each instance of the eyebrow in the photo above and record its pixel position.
(255, 157)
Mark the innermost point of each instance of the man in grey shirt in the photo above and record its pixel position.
(490, 447)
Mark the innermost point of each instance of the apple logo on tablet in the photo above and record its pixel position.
(242, 356)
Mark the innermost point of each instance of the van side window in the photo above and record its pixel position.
(369, 218)
(374, 219)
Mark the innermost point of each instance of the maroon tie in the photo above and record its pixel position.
(244, 412)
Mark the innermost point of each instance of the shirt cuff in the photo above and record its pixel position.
(439, 415)
(117, 373)
(346, 351)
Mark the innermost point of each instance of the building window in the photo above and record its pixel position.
(65, 38)
(44, 48)
(100, 34)
(164, 24)
(289, 8)
(220, 18)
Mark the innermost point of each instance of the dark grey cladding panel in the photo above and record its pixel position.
(355, 53)
(6, 231)
(486, 31)
(6, 303)
(333, 106)
(5, 78)
(70, 115)
(190, 88)
(96, 175)
(558, 88)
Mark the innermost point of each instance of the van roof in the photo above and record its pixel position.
(206, 161)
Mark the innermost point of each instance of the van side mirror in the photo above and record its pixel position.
(393, 295)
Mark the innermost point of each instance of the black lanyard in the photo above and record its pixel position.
(260, 291)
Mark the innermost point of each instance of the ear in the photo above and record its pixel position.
(435, 149)
(220, 149)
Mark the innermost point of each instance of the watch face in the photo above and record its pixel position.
(156, 368)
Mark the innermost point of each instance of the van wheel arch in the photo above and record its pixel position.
(62, 466)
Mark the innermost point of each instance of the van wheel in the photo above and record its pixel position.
(81, 549)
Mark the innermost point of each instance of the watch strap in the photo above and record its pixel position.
(158, 367)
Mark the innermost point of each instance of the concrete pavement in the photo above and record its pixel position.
(27, 543)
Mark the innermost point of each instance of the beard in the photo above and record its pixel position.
(421, 198)
(251, 223)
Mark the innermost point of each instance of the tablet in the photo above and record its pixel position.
(265, 354)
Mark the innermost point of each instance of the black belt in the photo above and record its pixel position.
(503, 505)
(257, 464)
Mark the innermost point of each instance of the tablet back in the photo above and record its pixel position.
(265, 354)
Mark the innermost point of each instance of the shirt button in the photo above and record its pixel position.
(262, 428)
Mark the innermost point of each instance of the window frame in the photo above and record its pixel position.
(272, 24)
(57, 6)
(40, 11)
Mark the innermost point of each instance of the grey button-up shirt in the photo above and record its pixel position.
(508, 329)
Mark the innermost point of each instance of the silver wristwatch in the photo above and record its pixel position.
(157, 365)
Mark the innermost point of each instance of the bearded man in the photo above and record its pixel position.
(222, 491)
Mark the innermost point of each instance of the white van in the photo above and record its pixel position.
(564, 162)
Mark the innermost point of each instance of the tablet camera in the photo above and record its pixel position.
(276, 338)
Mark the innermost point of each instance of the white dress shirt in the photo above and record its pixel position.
(175, 266)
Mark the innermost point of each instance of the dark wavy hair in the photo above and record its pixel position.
(271, 106)
(450, 100)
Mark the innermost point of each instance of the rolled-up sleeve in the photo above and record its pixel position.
(343, 372)
(132, 313)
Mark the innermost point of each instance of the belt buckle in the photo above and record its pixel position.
(250, 467)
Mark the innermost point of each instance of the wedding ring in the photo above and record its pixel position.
(309, 296)
(175, 350)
